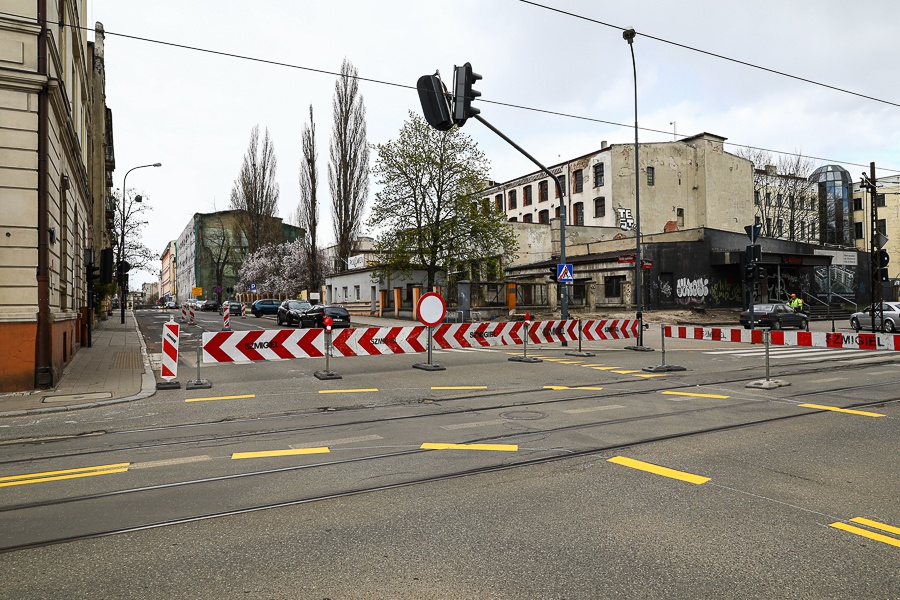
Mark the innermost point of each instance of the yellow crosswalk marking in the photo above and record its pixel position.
(497, 447)
(842, 410)
(289, 452)
(658, 470)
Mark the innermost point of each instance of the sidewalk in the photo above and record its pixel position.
(116, 368)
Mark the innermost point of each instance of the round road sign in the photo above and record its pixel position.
(431, 309)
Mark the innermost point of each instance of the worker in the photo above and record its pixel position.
(796, 303)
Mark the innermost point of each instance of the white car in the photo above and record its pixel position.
(171, 304)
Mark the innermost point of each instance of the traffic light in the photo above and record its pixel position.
(106, 266)
(92, 272)
(883, 260)
(464, 93)
(751, 272)
(433, 97)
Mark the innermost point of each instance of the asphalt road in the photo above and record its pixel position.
(577, 477)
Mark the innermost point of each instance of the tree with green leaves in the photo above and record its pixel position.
(429, 211)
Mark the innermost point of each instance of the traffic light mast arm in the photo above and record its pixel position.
(564, 300)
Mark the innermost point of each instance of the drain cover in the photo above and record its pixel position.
(523, 415)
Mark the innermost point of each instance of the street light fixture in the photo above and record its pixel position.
(629, 35)
(121, 270)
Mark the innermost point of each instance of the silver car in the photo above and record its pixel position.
(863, 319)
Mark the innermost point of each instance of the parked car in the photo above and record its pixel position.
(290, 310)
(234, 308)
(315, 315)
(863, 319)
(775, 316)
(171, 304)
(266, 306)
(209, 305)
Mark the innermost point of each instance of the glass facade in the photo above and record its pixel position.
(835, 209)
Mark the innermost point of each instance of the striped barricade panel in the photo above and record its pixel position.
(820, 339)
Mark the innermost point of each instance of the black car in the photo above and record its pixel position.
(209, 305)
(315, 315)
(234, 308)
(266, 306)
(775, 316)
(290, 310)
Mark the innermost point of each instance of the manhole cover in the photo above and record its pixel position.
(523, 415)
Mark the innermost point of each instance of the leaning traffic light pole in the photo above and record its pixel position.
(878, 258)
(443, 110)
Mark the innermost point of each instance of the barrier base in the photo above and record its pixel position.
(168, 385)
(768, 384)
(326, 375)
(198, 384)
(580, 354)
(525, 359)
(639, 348)
(429, 367)
(664, 369)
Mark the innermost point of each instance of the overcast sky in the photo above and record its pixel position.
(193, 111)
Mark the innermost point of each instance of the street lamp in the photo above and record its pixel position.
(628, 35)
(121, 269)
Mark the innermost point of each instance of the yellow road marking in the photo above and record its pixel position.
(348, 391)
(658, 470)
(876, 525)
(499, 447)
(578, 387)
(842, 410)
(459, 387)
(648, 375)
(866, 533)
(570, 362)
(63, 474)
(697, 395)
(626, 372)
(593, 365)
(605, 368)
(221, 398)
(269, 453)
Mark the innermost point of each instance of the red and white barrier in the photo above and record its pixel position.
(819, 339)
(243, 310)
(191, 309)
(226, 317)
(276, 344)
(183, 313)
(169, 369)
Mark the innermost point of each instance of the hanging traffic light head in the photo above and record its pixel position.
(463, 93)
(433, 97)
(884, 260)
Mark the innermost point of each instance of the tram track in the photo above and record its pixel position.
(488, 469)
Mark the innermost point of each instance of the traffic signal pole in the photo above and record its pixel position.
(564, 296)
(875, 291)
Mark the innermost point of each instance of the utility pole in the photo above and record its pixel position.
(875, 291)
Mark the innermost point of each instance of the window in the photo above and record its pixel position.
(562, 183)
(543, 191)
(527, 218)
(802, 230)
(526, 196)
(511, 196)
(556, 212)
(756, 197)
(600, 206)
(651, 175)
(356, 291)
(857, 204)
(880, 199)
(858, 230)
(513, 219)
(498, 202)
(768, 230)
(882, 227)
(598, 175)
(768, 199)
(612, 286)
(544, 217)
(579, 182)
(779, 230)
(579, 213)
(779, 200)
(679, 217)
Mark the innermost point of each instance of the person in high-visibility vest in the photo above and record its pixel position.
(796, 303)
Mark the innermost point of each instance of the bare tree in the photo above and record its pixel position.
(138, 255)
(255, 193)
(308, 209)
(785, 200)
(348, 170)
(218, 250)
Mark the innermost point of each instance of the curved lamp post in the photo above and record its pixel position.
(628, 35)
(124, 292)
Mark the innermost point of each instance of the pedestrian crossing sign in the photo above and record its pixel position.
(564, 273)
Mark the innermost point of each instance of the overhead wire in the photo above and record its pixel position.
(495, 102)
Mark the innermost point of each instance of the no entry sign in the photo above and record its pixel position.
(431, 309)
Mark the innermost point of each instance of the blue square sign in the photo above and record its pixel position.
(564, 273)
